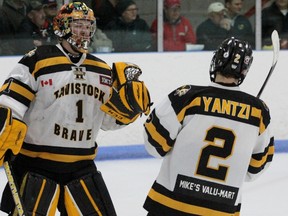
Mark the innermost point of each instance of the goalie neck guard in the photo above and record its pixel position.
(233, 58)
(75, 22)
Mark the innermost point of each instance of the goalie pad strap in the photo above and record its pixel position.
(40, 194)
(88, 196)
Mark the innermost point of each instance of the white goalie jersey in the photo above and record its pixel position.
(211, 139)
(60, 102)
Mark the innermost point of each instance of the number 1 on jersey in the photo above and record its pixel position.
(79, 105)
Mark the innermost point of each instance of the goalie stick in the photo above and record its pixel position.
(276, 49)
(13, 185)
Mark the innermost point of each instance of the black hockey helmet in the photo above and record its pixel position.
(232, 58)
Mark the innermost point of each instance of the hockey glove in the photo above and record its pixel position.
(129, 97)
(12, 133)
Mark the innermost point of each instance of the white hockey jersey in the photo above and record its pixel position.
(60, 102)
(212, 140)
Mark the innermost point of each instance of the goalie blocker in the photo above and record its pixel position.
(12, 133)
(129, 97)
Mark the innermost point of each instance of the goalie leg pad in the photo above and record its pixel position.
(12, 133)
(40, 194)
(88, 196)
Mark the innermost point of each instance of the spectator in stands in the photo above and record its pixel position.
(128, 32)
(12, 14)
(177, 29)
(100, 42)
(50, 8)
(275, 17)
(210, 32)
(237, 24)
(104, 11)
(31, 33)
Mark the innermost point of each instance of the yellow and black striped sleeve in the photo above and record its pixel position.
(158, 135)
(17, 90)
(260, 160)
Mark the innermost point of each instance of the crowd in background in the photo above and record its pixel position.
(26, 24)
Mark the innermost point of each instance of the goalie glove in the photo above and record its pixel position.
(12, 133)
(129, 97)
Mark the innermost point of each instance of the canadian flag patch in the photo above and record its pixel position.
(46, 82)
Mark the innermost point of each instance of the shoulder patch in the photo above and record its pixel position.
(104, 80)
(30, 53)
(182, 90)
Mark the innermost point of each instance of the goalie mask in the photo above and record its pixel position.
(233, 58)
(75, 22)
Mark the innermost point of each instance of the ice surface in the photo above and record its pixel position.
(130, 180)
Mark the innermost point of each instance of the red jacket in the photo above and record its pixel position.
(175, 35)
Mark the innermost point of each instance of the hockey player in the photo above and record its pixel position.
(63, 96)
(212, 139)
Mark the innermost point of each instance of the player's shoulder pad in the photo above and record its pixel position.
(264, 105)
(44, 51)
(95, 58)
(100, 65)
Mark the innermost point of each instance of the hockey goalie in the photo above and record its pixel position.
(53, 104)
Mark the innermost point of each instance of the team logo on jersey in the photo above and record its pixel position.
(182, 90)
(79, 72)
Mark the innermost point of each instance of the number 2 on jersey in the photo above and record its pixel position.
(227, 139)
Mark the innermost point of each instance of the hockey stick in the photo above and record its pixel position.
(276, 49)
(13, 185)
